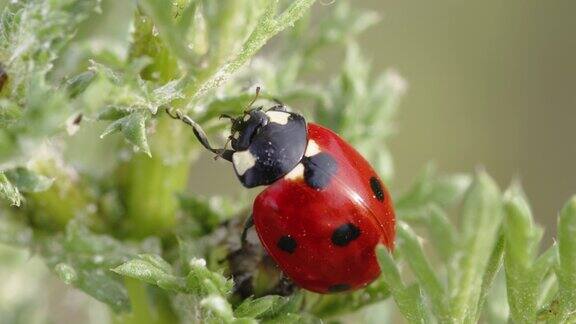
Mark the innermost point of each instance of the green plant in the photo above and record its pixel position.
(114, 218)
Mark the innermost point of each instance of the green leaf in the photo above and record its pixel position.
(79, 83)
(267, 27)
(151, 269)
(219, 306)
(442, 232)
(494, 264)
(28, 181)
(522, 241)
(202, 281)
(410, 247)
(133, 127)
(108, 73)
(442, 191)
(567, 261)
(257, 307)
(162, 14)
(9, 191)
(165, 94)
(481, 218)
(409, 299)
(113, 113)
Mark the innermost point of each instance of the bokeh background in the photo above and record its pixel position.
(491, 84)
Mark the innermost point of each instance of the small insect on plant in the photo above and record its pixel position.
(325, 209)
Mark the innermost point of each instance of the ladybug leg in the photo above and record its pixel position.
(247, 225)
(244, 261)
(200, 134)
(284, 287)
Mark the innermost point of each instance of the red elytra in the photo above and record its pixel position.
(325, 239)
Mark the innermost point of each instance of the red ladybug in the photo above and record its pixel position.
(325, 209)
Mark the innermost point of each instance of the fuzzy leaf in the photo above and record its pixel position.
(442, 191)
(113, 113)
(78, 84)
(481, 218)
(219, 306)
(202, 281)
(106, 72)
(172, 34)
(133, 127)
(28, 181)
(267, 27)
(408, 299)
(567, 260)
(442, 232)
(165, 94)
(151, 269)
(522, 240)
(411, 248)
(9, 191)
(257, 307)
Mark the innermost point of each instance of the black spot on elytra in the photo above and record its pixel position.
(319, 169)
(287, 244)
(345, 234)
(377, 189)
(338, 288)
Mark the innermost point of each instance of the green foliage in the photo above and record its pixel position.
(125, 228)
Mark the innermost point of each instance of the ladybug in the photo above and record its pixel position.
(324, 209)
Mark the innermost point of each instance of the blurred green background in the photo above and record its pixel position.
(490, 84)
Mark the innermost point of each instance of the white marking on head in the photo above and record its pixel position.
(247, 117)
(296, 173)
(243, 160)
(312, 148)
(236, 135)
(278, 117)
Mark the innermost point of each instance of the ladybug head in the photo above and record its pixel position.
(245, 127)
(265, 144)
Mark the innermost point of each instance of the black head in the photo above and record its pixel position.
(245, 127)
(267, 144)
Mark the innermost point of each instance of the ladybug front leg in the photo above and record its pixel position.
(247, 225)
(244, 261)
(200, 134)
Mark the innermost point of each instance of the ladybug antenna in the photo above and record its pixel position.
(253, 99)
(200, 134)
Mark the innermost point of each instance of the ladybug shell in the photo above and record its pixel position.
(322, 221)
